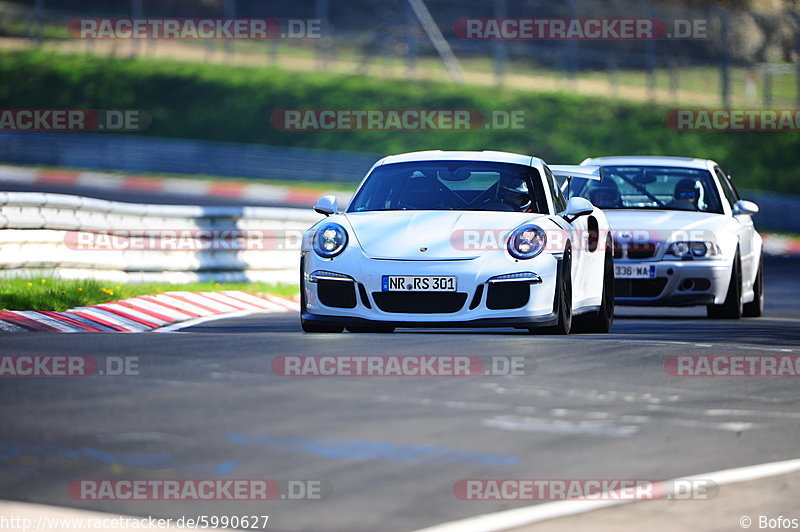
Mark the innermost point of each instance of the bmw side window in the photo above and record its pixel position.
(559, 201)
(733, 187)
(727, 187)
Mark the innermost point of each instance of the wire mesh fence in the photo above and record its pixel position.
(729, 54)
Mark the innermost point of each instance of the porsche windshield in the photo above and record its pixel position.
(651, 187)
(451, 185)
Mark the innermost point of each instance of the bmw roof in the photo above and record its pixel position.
(439, 155)
(649, 160)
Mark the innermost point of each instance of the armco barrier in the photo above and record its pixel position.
(132, 153)
(44, 234)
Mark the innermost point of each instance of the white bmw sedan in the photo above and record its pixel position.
(682, 234)
(459, 239)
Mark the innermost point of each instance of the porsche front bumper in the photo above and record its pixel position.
(355, 295)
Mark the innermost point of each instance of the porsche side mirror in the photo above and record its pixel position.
(327, 205)
(577, 207)
(744, 207)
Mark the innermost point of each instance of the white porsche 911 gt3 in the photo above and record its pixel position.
(459, 239)
(683, 235)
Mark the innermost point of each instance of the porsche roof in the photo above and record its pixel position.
(439, 155)
(648, 160)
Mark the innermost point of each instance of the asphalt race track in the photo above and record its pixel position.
(206, 405)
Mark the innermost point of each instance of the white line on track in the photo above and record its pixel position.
(508, 519)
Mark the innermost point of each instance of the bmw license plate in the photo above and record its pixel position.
(635, 271)
(418, 283)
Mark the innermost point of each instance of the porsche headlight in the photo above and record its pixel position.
(694, 250)
(527, 241)
(330, 240)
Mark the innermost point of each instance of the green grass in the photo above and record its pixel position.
(60, 295)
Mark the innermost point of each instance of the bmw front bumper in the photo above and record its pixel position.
(676, 283)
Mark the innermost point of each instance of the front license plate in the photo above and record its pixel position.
(635, 271)
(418, 283)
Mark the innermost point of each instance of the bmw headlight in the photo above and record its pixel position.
(694, 250)
(330, 240)
(527, 241)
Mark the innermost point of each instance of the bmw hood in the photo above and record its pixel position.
(664, 225)
(433, 235)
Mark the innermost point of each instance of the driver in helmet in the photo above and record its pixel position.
(605, 195)
(686, 195)
(514, 193)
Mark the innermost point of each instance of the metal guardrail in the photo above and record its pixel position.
(77, 237)
(182, 156)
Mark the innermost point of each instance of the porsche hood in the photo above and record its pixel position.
(434, 235)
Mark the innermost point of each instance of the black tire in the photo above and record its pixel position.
(312, 326)
(601, 320)
(370, 329)
(564, 299)
(755, 308)
(733, 307)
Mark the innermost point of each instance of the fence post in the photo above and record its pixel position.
(321, 13)
(136, 12)
(229, 8)
(725, 59)
(500, 46)
(411, 40)
(674, 81)
(650, 55)
(796, 18)
(572, 46)
(38, 15)
(767, 84)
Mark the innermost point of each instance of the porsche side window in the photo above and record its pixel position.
(559, 202)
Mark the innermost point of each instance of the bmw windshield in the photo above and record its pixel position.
(651, 187)
(451, 185)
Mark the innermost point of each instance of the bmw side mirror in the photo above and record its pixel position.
(327, 205)
(744, 207)
(577, 207)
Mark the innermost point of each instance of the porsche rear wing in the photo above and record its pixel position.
(573, 170)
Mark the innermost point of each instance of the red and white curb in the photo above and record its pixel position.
(280, 195)
(162, 312)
